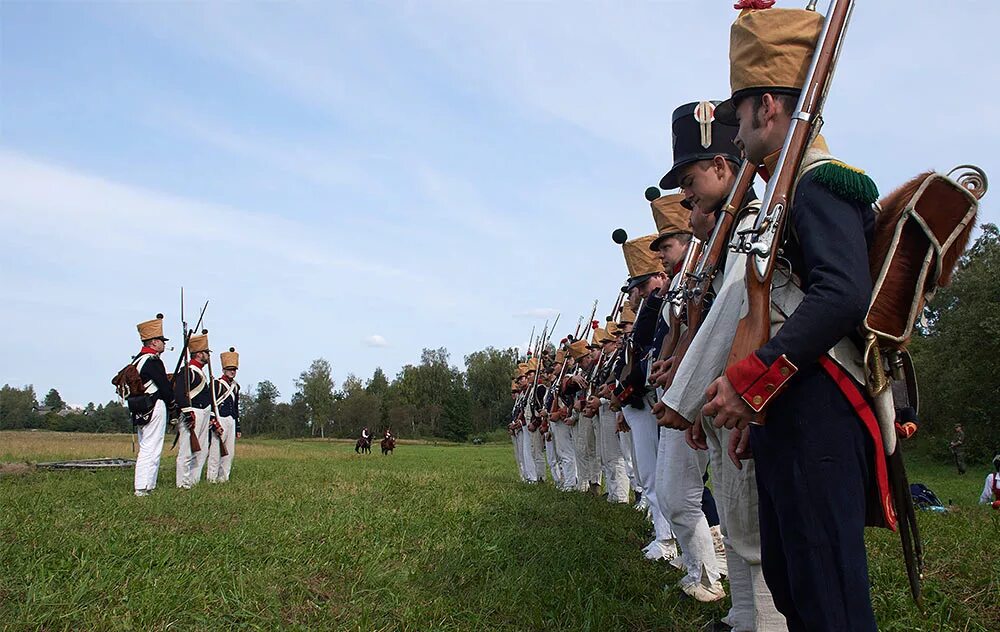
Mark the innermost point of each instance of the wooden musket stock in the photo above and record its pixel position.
(754, 329)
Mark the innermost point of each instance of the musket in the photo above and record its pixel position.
(616, 310)
(195, 445)
(579, 323)
(699, 289)
(674, 301)
(215, 411)
(531, 338)
(754, 329)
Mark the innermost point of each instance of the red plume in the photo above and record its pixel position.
(755, 5)
(563, 341)
(595, 324)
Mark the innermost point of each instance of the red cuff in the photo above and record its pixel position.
(756, 382)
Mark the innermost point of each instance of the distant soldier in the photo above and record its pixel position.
(957, 447)
(195, 398)
(227, 398)
(154, 379)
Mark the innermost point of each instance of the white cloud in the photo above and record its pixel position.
(376, 340)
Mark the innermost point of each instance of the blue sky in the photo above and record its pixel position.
(358, 181)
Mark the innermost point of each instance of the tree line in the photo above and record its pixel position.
(956, 351)
(432, 399)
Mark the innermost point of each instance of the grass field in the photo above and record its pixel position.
(310, 536)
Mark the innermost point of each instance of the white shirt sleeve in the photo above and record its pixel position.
(706, 358)
(987, 496)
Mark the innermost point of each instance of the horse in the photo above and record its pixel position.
(388, 445)
(363, 445)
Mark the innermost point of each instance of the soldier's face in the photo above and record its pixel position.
(158, 345)
(230, 373)
(706, 185)
(672, 252)
(762, 129)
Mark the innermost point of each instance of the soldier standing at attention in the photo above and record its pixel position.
(957, 446)
(820, 466)
(195, 398)
(227, 398)
(154, 379)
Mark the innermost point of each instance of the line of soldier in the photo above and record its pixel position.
(793, 495)
(204, 411)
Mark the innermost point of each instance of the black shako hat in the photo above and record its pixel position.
(699, 135)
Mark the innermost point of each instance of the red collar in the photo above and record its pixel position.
(146, 350)
(226, 378)
(677, 268)
(196, 363)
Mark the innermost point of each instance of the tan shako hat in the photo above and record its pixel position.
(669, 214)
(770, 50)
(230, 359)
(151, 329)
(639, 259)
(613, 329)
(199, 342)
(522, 368)
(597, 337)
(578, 349)
(628, 314)
(532, 364)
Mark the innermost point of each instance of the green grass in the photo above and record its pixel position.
(310, 536)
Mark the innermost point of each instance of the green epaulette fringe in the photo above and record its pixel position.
(846, 181)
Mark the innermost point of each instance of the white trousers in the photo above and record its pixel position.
(147, 463)
(645, 438)
(615, 476)
(527, 460)
(553, 461)
(537, 447)
(190, 464)
(628, 450)
(679, 488)
(518, 457)
(565, 452)
(587, 466)
(220, 466)
(735, 494)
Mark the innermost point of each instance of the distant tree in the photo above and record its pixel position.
(957, 349)
(456, 414)
(54, 401)
(487, 375)
(258, 409)
(379, 383)
(17, 408)
(316, 387)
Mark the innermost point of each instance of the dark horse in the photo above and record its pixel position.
(388, 445)
(363, 446)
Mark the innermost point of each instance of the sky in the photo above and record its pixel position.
(360, 180)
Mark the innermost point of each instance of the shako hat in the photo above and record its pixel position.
(578, 349)
(199, 342)
(230, 359)
(151, 329)
(770, 50)
(522, 368)
(699, 135)
(597, 337)
(612, 328)
(669, 214)
(531, 365)
(627, 315)
(639, 259)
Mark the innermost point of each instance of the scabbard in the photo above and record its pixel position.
(909, 533)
